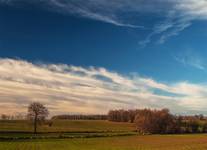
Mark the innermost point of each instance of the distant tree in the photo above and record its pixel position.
(132, 114)
(145, 121)
(37, 113)
(201, 117)
(19, 116)
(155, 121)
(4, 117)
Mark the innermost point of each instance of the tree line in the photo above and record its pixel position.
(147, 121)
(150, 121)
(81, 117)
(122, 115)
(17, 116)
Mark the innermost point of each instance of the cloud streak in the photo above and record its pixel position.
(72, 89)
(192, 59)
(171, 16)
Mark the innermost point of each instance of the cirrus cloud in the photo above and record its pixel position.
(171, 16)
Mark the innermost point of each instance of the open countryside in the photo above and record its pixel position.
(103, 74)
(119, 130)
(119, 136)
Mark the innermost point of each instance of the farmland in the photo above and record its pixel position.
(149, 142)
(91, 135)
(12, 130)
(67, 126)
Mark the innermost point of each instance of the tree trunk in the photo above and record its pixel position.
(35, 124)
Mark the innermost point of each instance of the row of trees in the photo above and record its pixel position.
(146, 120)
(17, 116)
(81, 117)
(122, 115)
(160, 121)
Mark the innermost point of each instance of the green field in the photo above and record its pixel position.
(67, 126)
(12, 130)
(150, 142)
(92, 135)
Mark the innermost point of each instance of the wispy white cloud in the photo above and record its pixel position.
(66, 89)
(191, 58)
(173, 16)
(178, 17)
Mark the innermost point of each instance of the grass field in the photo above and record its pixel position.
(12, 130)
(92, 135)
(68, 126)
(149, 142)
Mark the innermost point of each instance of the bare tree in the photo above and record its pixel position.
(155, 121)
(5, 117)
(37, 112)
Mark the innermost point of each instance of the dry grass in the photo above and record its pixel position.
(150, 142)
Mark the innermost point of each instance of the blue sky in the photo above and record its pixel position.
(163, 42)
